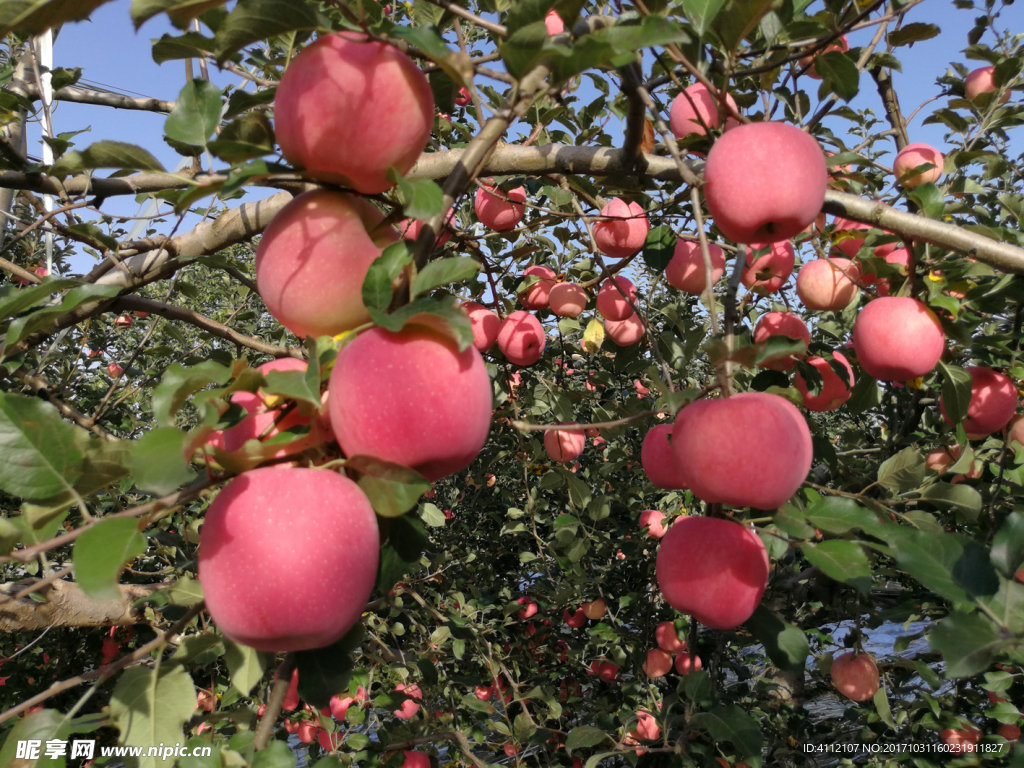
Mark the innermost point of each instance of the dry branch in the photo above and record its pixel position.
(68, 606)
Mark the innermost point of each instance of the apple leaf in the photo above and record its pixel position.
(950, 565)
(385, 268)
(101, 553)
(36, 16)
(841, 560)
(195, 116)
(1008, 544)
(150, 706)
(912, 33)
(738, 19)
(583, 736)
(956, 391)
(244, 138)
(731, 723)
(392, 489)
(254, 20)
(902, 472)
(785, 644)
(455, 269)
(967, 642)
(659, 248)
(181, 12)
(421, 198)
(702, 13)
(839, 75)
(244, 665)
(157, 461)
(106, 154)
(38, 454)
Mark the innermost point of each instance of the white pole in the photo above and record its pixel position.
(45, 47)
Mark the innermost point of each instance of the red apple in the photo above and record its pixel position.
(714, 570)
(564, 445)
(765, 430)
(687, 663)
(329, 742)
(575, 620)
(553, 23)
(415, 759)
(961, 741)
(658, 664)
(781, 324)
(410, 229)
(411, 705)
(647, 727)
(499, 210)
(613, 303)
(695, 110)
(529, 608)
(521, 338)
(348, 109)
(1009, 732)
(899, 257)
(623, 231)
(412, 398)
(828, 285)
(765, 182)
(913, 156)
(625, 332)
(842, 45)
(835, 391)
(123, 321)
(982, 80)
(686, 271)
(1015, 432)
(654, 522)
(114, 370)
(567, 300)
(605, 670)
(313, 258)
(538, 295)
(595, 610)
(993, 403)
(486, 325)
(855, 676)
(317, 520)
(668, 638)
(767, 274)
(308, 731)
(941, 459)
(897, 339)
(462, 98)
(484, 692)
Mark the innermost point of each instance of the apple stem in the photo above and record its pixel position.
(274, 703)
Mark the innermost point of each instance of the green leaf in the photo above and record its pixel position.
(101, 553)
(180, 383)
(659, 248)
(967, 642)
(18, 301)
(37, 16)
(785, 644)
(106, 154)
(181, 12)
(913, 33)
(377, 291)
(738, 19)
(732, 724)
(39, 726)
(432, 516)
(902, 472)
(294, 385)
(835, 514)
(865, 396)
(440, 315)
(196, 114)
(842, 561)
(185, 591)
(839, 74)
(956, 391)
(254, 20)
(191, 45)
(882, 707)
(276, 755)
(583, 736)
(38, 455)
(953, 566)
(324, 672)
(404, 539)
(150, 706)
(702, 13)
(244, 665)
(455, 269)
(391, 488)
(960, 498)
(654, 31)
(421, 198)
(1008, 545)
(244, 138)
(157, 461)
(43, 319)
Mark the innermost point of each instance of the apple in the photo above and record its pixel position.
(529, 608)
(497, 209)
(686, 271)
(855, 676)
(623, 230)
(695, 110)
(835, 391)
(330, 742)
(123, 321)
(658, 663)
(625, 332)
(767, 274)
(687, 663)
(537, 296)
(564, 445)
(595, 610)
(765, 429)
(462, 98)
(307, 731)
(994, 699)
(765, 182)
(410, 229)
(993, 403)
(205, 701)
(348, 109)
(484, 692)
(605, 670)
(899, 257)
(654, 521)
(668, 638)
(850, 244)
(553, 23)
(317, 520)
(781, 324)
(114, 370)
(647, 727)
(521, 338)
(616, 303)
(913, 156)
(828, 285)
(415, 759)
(338, 706)
(1009, 732)
(842, 45)
(982, 80)
(961, 741)
(1015, 432)
(313, 258)
(575, 620)
(712, 569)
(411, 398)
(411, 705)
(486, 325)
(897, 338)
(567, 300)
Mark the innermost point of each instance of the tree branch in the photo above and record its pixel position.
(68, 606)
(80, 95)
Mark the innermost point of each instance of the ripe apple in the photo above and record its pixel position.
(765, 429)
(982, 80)
(668, 638)
(553, 23)
(654, 521)
(307, 731)
(658, 664)
(647, 727)
(521, 338)
(415, 759)
(695, 110)
(114, 370)
(498, 210)
(993, 698)
(410, 229)
(712, 569)
(835, 391)
(348, 109)
(330, 742)
(462, 98)
(624, 230)
(564, 445)
(686, 271)
(913, 156)
(291, 697)
(897, 339)
(900, 257)
(338, 706)
(855, 676)
(767, 274)
(828, 285)
(123, 321)
(575, 620)
(317, 520)
(605, 670)
(595, 610)
(625, 332)
(993, 403)
(486, 325)
(529, 607)
(411, 705)
(687, 663)
(313, 258)
(567, 300)
(612, 303)
(1009, 732)
(412, 398)
(765, 182)
(484, 692)
(538, 295)
(849, 245)
(961, 741)
(1015, 432)
(781, 324)
(842, 45)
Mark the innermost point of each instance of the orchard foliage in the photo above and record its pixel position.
(516, 616)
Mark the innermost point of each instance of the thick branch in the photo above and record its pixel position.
(81, 95)
(68, 606)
